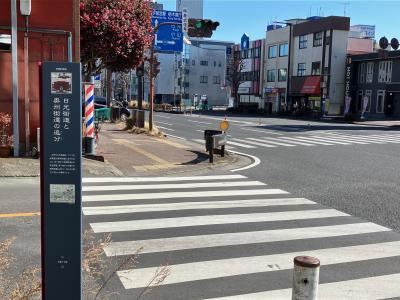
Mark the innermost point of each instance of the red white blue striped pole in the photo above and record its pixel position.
(89, 117)
(89, 110)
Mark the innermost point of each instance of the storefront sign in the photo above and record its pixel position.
(348, 78)
(60, 178)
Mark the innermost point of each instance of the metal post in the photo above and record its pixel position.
(26, 71)
(151, 85)
(14, 47)
(140, 88)
(70, 47)
(305, 278)
(288, 75)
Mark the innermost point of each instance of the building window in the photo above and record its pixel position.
(368, 93)
(318, 39)
(361, 73)
(203, 79)
(301, 69)
(272, 51)
(385, 71)
(380, 101)
(283, 49)
(316, 68)
(359, 100)
(302, 41)
(370, 72)
(282, 74)
(219, 64)
(193, 62)
(216, 79)
(270, 75)
(186, 71)
(257, 52)
(203, 63)
(215, 63)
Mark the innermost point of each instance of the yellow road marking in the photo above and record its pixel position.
(141, 151)
(173, 144)
(15, 215)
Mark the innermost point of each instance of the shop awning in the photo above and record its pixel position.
(312, 85)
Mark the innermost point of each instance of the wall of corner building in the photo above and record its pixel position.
(338, 70)
(42, 47)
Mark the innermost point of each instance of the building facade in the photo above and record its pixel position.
(318, 65)
(373, 84)
(204, 71)
(49, 41)
(250, 90)
(194, 7)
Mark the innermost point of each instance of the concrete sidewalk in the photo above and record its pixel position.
(135, 154)
(130, 154)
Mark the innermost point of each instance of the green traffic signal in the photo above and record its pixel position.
(199, 24)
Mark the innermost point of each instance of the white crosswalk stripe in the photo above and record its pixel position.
(214, 228)
(322, 139)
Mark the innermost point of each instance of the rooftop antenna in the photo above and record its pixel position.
(345, 5)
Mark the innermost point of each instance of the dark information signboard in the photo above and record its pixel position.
(61, 180)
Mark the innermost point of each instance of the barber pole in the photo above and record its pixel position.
(89, 110)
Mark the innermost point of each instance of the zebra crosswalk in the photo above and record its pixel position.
(229, 237)
(325, 139)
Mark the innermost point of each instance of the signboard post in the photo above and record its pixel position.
(167, 38)
(61, 180)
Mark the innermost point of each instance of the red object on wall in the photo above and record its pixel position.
(45, 14)
(312, 85)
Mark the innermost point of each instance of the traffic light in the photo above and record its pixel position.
(156, 67)
(201, 27)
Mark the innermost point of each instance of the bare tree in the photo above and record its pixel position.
(236, 66)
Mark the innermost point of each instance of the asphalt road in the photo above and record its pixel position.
(357, 174)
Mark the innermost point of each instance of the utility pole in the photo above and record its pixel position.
(14, 49)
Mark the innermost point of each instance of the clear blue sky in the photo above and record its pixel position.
(252, 16)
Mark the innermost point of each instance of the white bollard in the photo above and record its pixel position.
(305, 278)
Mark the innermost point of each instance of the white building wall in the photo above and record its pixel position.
(164, 83)
(195, 7)
(338, 68)
(306, 55)
(214, 53)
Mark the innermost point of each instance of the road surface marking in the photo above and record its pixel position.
(318, 139)
(255, 163)
(299, 138)
(240, 144)
(295, 141)
(340, 139)
(239, 238)
(163, 123)
(161, 116)
(168, 195)
(357, 138)
(281, 140)
(372, 139)
(203, 270)
(206, 123)
(257, 141)
(165, 128)
(15, 215)
(160, 179)
(146, 224)
(370, 288)
(220, 184)
(174, 136)
(141, 151)
(138, 208)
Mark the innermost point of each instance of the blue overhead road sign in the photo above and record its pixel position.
(168, 38)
